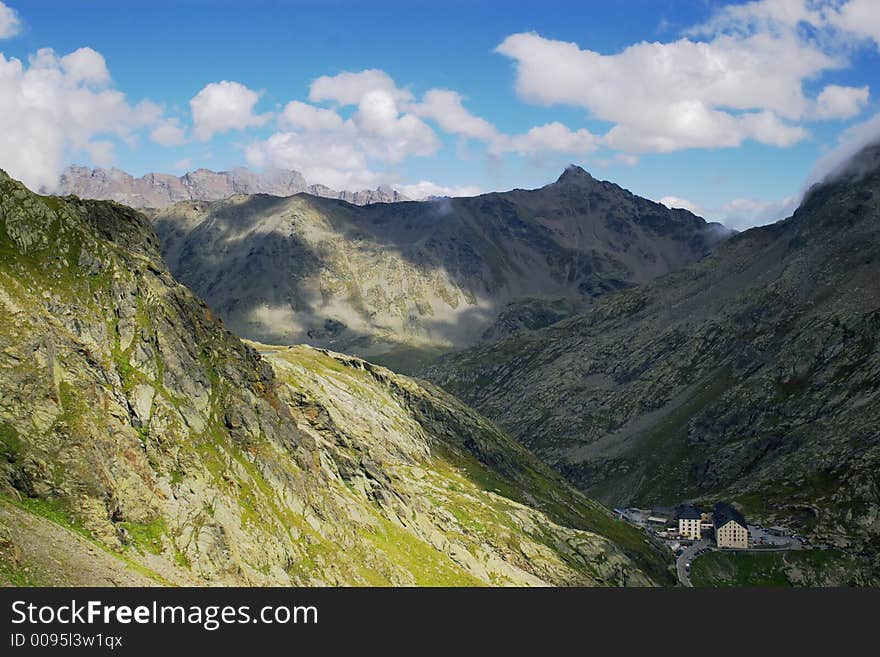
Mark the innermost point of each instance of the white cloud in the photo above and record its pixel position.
(683, 203)
(836, 102)
(87, 66)
(388, 135)
(738, 214)
(445, 107)
(57, 107)
(321, 158)
(184, 164)
(309, 117)
(550, 138)
(663, 97)
(223, 106)
(349, 88)
(341, 153)
(761, 15)
(859, 17)
(426, 188)
(10, 24)
(838, 21)
(850, 142)
(169, 133)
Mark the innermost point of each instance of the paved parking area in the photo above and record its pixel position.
(759, 537)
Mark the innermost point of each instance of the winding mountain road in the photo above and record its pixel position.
(684, 558)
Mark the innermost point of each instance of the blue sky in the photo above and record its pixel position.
(722, 107)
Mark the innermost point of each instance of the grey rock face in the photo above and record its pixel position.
(159, 190)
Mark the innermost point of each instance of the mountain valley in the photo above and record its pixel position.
(142, 443)
(400, 284)
(750, 375)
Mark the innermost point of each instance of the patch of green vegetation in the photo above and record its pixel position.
(73, 409)
(11, 445)
(14, 574)
(147, 537)
(567, 507)
(55, 510)
(771, 569)
(428, 566)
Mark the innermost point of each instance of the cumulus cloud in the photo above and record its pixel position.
(10, 23)
(59, 106)
(350, 87)
(551, 137)
(87, 66)
(840, 20)
(321, 159)
(858, 17)
(388, 125)
(836, 102)
(223, 106)
(169, 133)
(343, 153)
(425, 189)
(308, 117)
(387, 134)
(446, 109)
(700, 94)
(738, 214)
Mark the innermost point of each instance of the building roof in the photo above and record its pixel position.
(688, 512)
(724, 513)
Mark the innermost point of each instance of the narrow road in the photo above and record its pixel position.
(686, 556)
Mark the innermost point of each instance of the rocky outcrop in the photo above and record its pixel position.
(131, 419)
(160, 190)
(752, 375)
(382, 194)
(401, 283)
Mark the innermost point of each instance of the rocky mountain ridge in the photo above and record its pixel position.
(401, 283)
(141, 442)
(160, 190)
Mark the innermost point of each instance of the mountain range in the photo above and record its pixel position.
(577, 346)
(751, 375)
(160, 190)
(141, 443)
(402, 283)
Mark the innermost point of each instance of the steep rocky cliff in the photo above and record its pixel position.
(753, 374)
(140, 442)
(401, 283)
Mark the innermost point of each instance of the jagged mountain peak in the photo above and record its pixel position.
(575, 174)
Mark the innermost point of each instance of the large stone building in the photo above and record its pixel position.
(689, 518)
(731, 530)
